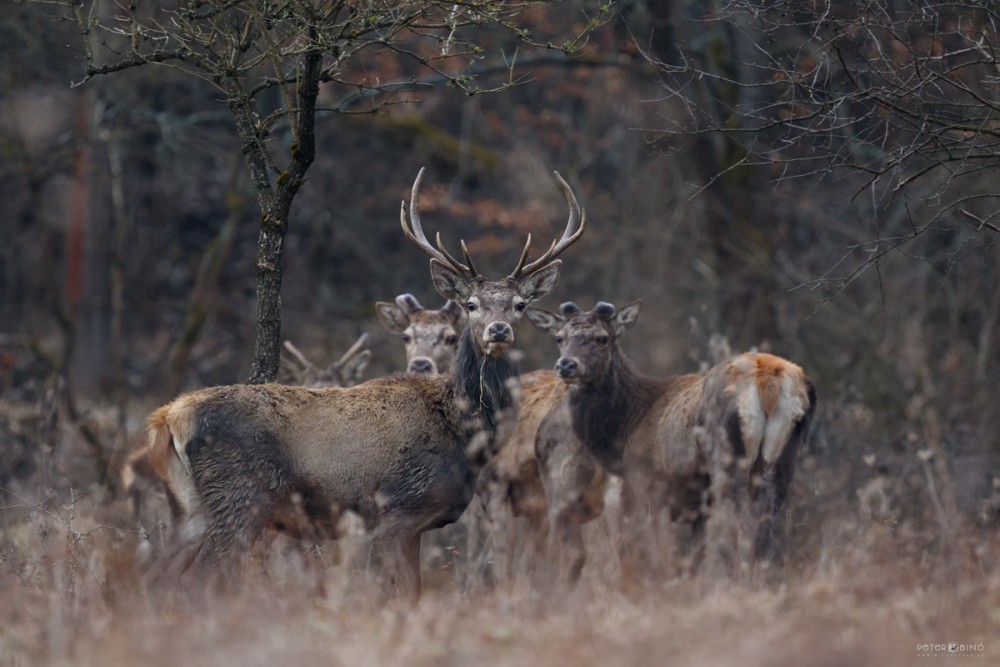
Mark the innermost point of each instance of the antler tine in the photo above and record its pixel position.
(454, 262)
(295, 352)
(524, 255)
(358, 346)
(417, 236)
(468, 259)
(576, 217)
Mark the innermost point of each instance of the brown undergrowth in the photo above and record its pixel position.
(855, 589)
(890, 550)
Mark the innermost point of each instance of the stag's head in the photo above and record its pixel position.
(430, 336)
(588, 340)
(494, 307)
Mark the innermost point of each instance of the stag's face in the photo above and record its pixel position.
(430, 336)
(494, 308)
(587, 340)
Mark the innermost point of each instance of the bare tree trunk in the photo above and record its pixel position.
(276, 203)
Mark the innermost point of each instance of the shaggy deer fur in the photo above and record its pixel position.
(393, 450)
(345, 372)
(663, 436)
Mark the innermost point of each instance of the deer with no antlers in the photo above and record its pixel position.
(733, 431)
(393, 450)
(430, 336)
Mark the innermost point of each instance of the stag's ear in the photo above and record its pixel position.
(449, 283)
(392, 316)
(626, 317)
(454, 311)
(352, 369)
(541, 282)
(544, 320)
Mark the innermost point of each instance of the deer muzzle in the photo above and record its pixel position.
(422, 365)
(498, 337)
(568, 369)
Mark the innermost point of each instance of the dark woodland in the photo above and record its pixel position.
(813, 180)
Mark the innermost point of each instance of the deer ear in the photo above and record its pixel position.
(449, 284)
(541, 282)
(544, 320)
(626, 317)
(392, 316)
(453, 310)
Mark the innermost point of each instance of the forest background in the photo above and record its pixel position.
(818, 180)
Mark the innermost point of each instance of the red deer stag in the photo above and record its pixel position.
(509, 484)
(661, 435)
(393, 450)
(430, 336)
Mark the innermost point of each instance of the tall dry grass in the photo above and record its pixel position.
(890, 556)
(868, 580)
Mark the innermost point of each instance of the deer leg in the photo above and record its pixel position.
(394, 559)
(240, 482)
(566, 526)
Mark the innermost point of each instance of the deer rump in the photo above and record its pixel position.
(745, 420)
(239, 458)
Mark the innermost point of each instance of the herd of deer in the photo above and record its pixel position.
(409, 452)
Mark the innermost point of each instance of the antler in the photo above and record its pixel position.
(418, 238)
(301, 358)
(359, 346)
(569, 236)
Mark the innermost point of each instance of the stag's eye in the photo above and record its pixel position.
(470, 306)
(602, 340)
(451, 340)
(559, 340)
(520, 306)
(406, 338)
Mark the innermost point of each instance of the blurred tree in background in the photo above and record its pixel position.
(268, 62)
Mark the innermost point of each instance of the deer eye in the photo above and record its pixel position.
(520, 306)
(451, 340)
(602, 340)
(470, 306)
(406, 338)
(559, 340)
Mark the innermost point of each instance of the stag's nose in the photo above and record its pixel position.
(421, 365)
(566, 367)
(499, 332)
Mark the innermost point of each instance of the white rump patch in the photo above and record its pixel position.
(787, 414)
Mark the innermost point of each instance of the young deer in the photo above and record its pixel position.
(733, 431)
(393, 450)
(430, 336)
(541, 474)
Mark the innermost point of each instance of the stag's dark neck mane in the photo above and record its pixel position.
(482, 385)
(606, 411)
